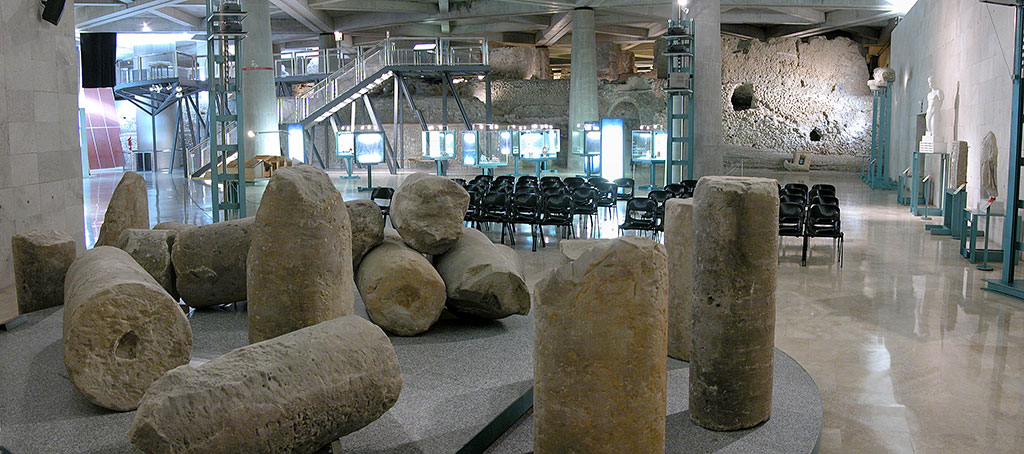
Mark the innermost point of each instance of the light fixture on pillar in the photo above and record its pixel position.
(684, 8)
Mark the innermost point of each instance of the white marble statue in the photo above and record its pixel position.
(989, 167)
(935, 98)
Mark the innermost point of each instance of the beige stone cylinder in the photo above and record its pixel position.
(152, 250)
(209, 262)
(429, 211)
(679, 245)
(299, 269)
(736, 226)
(122, 331)
(367, 228)
(599, 351)
(41, 259)
(401, 290)
(483, 279)
(128, 209)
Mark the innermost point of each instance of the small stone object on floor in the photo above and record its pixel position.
(367, 228)
(294, 393)
(401, 290)
(121, 330)
(736, 225)
(151, 249)
(299, 268)
(128, 209)
(483, 279)
(41, 259)
(428, 211)
(600, 350)
(209, 262)
(679, 245)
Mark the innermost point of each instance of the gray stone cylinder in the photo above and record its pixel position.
(209, 262)
(679, 245)
(367, 228)
(122, 331)
(401, 290)
(151, 249)
(294, 393)
(736, 226)
(483, 279)
(599, 351)
(299, 269)
(128, 209)
(41, 259)
(428, 211)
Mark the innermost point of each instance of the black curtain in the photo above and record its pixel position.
(99, 54)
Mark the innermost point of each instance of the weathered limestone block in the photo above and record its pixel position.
(41, 259)
(679, 245)
(428, 212)
(483, 279)
(209, 262)
(294, 393)
(401, 289)
(122, 331)
(599, 351)
(957, 163)
(299, 270)
(736, 226)
(128, 209)
(367, 228)
(151, 249)
(573, 249)
(173, 228)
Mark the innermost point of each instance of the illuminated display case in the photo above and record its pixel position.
(369, 147)
(508, 142)
(592, 139)
(613, 147)
(539, 143)
(480, 147)
(296, 143)
(438, 144)
(649, 144)
(576, 139)
(346, 144)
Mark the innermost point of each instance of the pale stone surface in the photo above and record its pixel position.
(367, 228)
(679, 245)
(209, 262)
(299, 269)
(483, 279)
(573, 249)
(121, 330)
(401, 289)
(294, 393)
(736, 226)
(41, 260)
(989, 167)
(519, 63)
(599, 351)
(173, 227)
(428, 211)
(128, 209)
(958, 151)
(151, 249)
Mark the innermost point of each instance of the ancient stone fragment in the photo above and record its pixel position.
(599, 351)
(573, 249)
(428, 212)
(122, 331)
(128, 209)
(173, 228)
(736, 226)
(679, 245)
(294, 393)
(209, 262)
(483, 279)
(367, 228)
(41, 259)
(299, 270)
(151, 249)
(401, 290)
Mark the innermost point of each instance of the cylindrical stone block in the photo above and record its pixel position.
(152, 250)
(599, 351)
(128, 209)
(299, 270)
(736, 225)
(209, 262)
(679, 245)
(401, 290)
(294, 393)
(429, 212)
(122, 331)
(483, 279)
(41, 260)
(367, 228)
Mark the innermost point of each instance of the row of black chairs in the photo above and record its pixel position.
(811, 213)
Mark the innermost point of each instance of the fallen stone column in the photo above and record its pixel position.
(122, 331)
(599, 351)
(151, 249)
(736, 226)
(679, 245)
(401, 290)
(128, 209)
(209, 262)
(483, 279)
(299, 269)
(173, 228)
(573, 249)
(293, 393)
(367, 228)
(428, 211)
(41, 259)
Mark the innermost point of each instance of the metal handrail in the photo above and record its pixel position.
(130, 69)
(298, 63)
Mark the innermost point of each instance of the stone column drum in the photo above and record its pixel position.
(429, 212)
(41, 259)
(122, 331)
(128, 209)
(367, 228)
(299, 270)
(736, 226)
(209, 262)
(679, 245)
(483, 279)
(599, 351)
(152, 250)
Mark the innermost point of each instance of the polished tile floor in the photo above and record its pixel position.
(910, 355)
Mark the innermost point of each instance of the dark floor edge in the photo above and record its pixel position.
(499, 425)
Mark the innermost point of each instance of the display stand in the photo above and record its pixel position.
(439, 161)
(877, 172)
(952, 213)
(348, 167)
(903, 188)
(369, 148)
(487, 168)
(653, 165)
(921, 184)
(970, 234)
(540, 161)
(369, 179)
(346, 150)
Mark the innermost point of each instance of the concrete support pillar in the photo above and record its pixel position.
(679, 245)
(583, 78)
(258, 91)
(736, 226)
(326, 42)
(707, 16)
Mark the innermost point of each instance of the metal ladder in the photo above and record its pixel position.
(224, 32)
(679, 90)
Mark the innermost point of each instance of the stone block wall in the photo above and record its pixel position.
(523, 63)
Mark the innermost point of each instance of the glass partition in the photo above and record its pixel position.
(539, 143)
(346, 144)
(643, 145)
(480, 146)
(508, 142)
(438, 144)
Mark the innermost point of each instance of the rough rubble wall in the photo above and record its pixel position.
(801, 91)
(524, 63)
(613, 63)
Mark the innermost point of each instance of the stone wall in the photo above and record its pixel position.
(524, 63)
(40, 158)
(613, 63)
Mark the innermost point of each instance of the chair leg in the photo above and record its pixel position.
(533, 234)
(803, 257)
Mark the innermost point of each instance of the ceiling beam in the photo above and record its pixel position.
(315, 20)
(87, 18)
(180, 17)
(810, 15)
(874, 5)
(834, 20)
(619, 30)
(443, 7)
(382, 6)
(745, 31)
(560, 24)
(773, 18)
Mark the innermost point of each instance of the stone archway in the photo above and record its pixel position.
(628, 111)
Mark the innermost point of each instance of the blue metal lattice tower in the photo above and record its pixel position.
(679, 56)
(224, 35)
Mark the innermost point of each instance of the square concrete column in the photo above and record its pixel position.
(583, 77)
(707, 91)
(259, 104)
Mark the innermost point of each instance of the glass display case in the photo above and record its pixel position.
(508, 141)
(369, 147)
(438, 144)
(296, 143)
(643, 145)
(346, 141)
(480, 147)
(613, 145)
(539, 143)
(576, 139)
(592, 148)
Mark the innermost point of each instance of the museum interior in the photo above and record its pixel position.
(511, 226)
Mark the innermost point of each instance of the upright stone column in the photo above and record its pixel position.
(583, 80)
(679, 245)
(736, 226)
(707, 15)
(259, 95)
